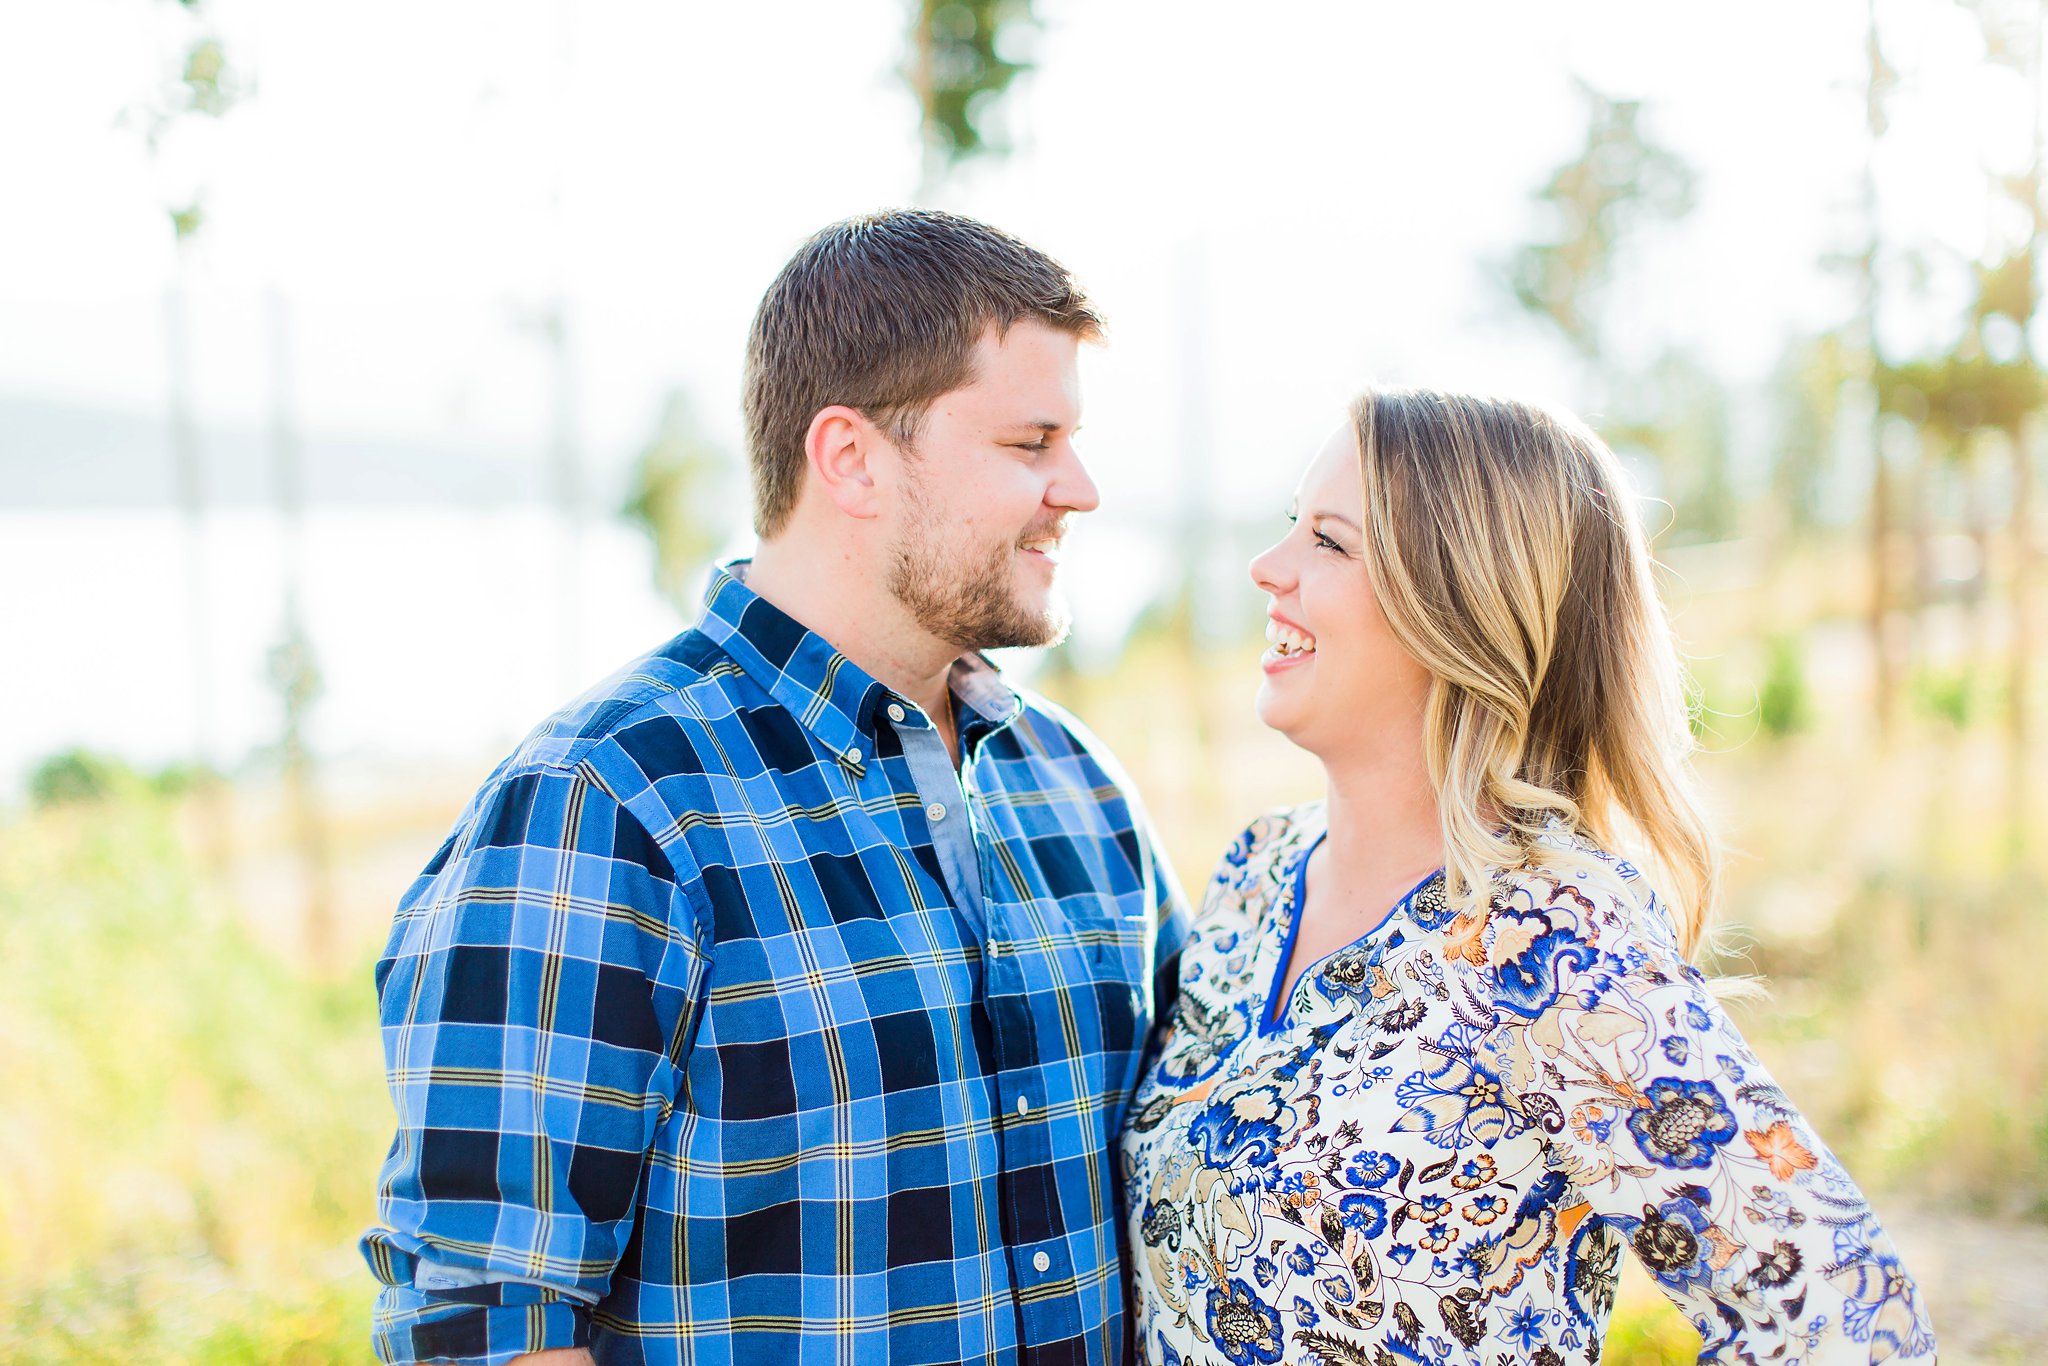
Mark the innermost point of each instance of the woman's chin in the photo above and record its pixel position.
(1283, 714)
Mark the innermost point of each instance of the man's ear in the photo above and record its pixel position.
(839, 446)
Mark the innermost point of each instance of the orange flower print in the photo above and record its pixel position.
(1466, 939)
(1778, 1146)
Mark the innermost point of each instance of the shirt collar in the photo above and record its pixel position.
(829, 695)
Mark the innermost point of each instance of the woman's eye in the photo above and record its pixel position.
(1327, 544)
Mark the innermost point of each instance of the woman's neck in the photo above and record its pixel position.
(1382, 817)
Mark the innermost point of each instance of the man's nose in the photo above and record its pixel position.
(1074, 489)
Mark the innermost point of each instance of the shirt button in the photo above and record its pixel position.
(1041, 1261)
(895, 712)
(1024, 1108)
(852, 756)
(935, 812)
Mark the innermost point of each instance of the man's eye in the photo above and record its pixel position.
(1039, 445)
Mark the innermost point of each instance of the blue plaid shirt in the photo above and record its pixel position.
(732, 1025)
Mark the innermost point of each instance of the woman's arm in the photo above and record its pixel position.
(1664, 1118)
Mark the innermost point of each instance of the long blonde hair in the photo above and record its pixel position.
(1509, 561)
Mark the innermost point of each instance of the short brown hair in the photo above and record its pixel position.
(882, 313)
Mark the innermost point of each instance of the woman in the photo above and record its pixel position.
(1438, 1057)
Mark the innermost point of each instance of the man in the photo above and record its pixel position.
(779, 1000)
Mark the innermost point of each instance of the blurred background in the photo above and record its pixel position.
(369, 385)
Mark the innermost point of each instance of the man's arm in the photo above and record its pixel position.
(538, 985)
(555, 1356)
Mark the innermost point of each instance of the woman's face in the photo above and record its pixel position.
(1336, 683)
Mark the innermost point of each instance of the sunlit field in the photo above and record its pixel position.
(194, 1111)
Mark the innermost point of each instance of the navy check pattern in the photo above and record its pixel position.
(699, 1056)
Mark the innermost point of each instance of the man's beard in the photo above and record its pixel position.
(969, 601)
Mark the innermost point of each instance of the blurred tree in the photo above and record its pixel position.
(1880, 82)
(205, 87)
(962, 58)
(1618, 180)
(294, 670)
(1675, 415)
(1806, 391)
(683, 496)
(79, 775)
(1672, 413)
(1783, 701)
(1987, 391)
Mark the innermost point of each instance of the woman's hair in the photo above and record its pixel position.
(1509, 561)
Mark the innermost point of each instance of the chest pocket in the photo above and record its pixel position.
(828, 997)
(1107, 975)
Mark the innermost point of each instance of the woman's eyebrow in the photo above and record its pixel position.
(1336, 517)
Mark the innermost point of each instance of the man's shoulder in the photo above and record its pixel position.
(1044, 726)
(678, 687)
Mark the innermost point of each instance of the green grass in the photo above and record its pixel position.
(191, 1126)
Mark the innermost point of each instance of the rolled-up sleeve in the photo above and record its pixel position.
(537, 999)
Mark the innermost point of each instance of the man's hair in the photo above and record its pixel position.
(882, 313)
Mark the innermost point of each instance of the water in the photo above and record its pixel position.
(438, 634)
(441, 635)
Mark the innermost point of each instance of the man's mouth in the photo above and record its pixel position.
(1048, 546)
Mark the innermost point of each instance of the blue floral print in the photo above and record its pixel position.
(1683, 1123)
(1443, 1146)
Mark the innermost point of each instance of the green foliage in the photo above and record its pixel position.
(1647, 1330)
(1806, 395)
(1948, 695)
(682, 497)
(1618, 180)
(80, 775)
(959, 66)
(1675, 415)
(192, 1127)
(1955, 394)
(210, 87)
(1782, 704)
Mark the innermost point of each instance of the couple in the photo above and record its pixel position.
(791, 997)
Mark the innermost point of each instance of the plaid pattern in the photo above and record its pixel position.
(698, 1055)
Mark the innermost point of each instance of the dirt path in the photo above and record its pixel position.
(1987, 1283)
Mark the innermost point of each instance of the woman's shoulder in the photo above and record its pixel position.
(1581, 890)
(1270, 839)
(1259, 859)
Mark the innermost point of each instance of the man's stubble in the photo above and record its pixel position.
(967, 598)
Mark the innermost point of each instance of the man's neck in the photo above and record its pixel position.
(848, 604)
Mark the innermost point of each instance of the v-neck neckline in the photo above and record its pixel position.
(1273, 1017)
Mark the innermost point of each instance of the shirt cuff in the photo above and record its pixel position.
(409, 1327)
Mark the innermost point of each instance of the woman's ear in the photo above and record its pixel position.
(839, 445)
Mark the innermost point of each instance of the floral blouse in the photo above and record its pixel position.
(1439, 1144)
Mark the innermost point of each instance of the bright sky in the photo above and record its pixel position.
(1282, 207)
(1272, 210)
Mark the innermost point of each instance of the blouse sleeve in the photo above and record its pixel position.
(1664, 1119)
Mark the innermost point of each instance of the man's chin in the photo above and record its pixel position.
(1027, 625)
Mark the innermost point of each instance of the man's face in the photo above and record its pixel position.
(988, 487)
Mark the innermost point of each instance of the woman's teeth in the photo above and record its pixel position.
(1285, 640)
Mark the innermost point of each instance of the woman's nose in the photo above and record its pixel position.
(1268, 570)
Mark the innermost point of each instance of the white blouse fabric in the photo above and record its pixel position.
(1441, 1148)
